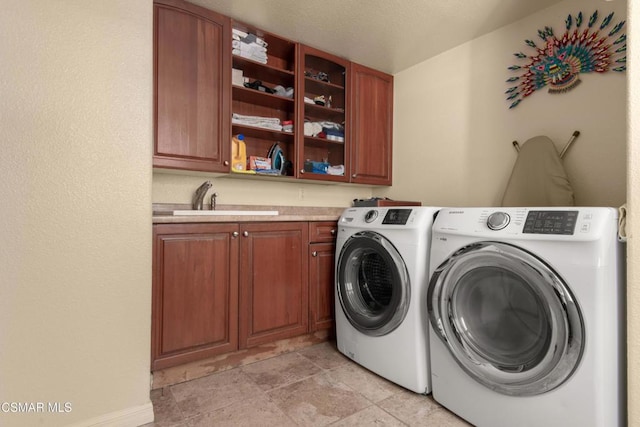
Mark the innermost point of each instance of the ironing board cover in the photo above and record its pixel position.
(538, 177)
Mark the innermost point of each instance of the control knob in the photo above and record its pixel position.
(370, 216)
(498, 220)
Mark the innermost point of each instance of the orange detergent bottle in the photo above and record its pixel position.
(238, 153)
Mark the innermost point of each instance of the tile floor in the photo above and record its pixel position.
(313, 386)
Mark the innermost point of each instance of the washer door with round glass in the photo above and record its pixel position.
(507, 318)
(372, 284)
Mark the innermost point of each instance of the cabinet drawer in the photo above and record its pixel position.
(322, 231)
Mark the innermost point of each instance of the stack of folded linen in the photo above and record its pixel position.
(257, 121)
(249, 46)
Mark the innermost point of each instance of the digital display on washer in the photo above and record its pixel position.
(550, 222)
(397, 216)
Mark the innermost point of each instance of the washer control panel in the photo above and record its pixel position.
(396, 216)
(370, 216)
(550, 222)
(498, 220)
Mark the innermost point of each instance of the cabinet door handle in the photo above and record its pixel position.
(245, 233)
(353, 176)
(302, 171)
(314, 253)
(235, 234)
(226, 163)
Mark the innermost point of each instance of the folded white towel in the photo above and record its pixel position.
(258, 58)
(248, 47)
(257, 121)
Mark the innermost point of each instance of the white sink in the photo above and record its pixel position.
(221, 213)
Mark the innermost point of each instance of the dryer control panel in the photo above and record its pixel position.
(550, 222)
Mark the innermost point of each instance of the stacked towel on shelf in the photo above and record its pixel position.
(249, 46)
(257, 121)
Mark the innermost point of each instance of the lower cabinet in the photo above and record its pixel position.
(220, 287)
(322, 249)
(273, 282)
(195, 292)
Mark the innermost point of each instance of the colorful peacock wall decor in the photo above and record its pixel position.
(560, 61)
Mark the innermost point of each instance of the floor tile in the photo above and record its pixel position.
(410, 408)
(325, 355)
(371, 416)
(258, 411)
(443, 418)
(165, 409)
(279, 371)
(373, 387)
(312, 386)
(213, 392)
(318, 400)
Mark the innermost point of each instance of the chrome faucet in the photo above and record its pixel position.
(198, 196)
(214, 196)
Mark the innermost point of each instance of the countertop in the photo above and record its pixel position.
(162, 214)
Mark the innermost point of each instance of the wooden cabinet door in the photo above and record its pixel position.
(274, 295)
(192, 70)
(321, 286)
(323, 77)
(371, 126)
(195, 292)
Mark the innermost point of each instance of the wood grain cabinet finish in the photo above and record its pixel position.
(195, 292)
(322, 249)
(273, 282)
(371, 126)
(321, 74)
(192, 70)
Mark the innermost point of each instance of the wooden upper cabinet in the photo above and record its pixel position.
(192, 77)
(371, 126)
(323, 122)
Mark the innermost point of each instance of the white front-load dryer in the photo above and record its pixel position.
(382, 257)
(526, 313)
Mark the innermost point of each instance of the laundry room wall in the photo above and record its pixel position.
(453, 129)
(633, 222)
(172, 187)
(75, 259)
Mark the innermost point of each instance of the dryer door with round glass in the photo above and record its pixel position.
(507, 318)
(372, 284)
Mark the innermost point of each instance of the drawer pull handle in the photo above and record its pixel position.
(245, 234)
(235, 234)
(333, 232)
(314, 253)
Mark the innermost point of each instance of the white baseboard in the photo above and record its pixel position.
(130, 417)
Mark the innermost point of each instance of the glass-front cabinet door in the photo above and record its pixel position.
(322, 127)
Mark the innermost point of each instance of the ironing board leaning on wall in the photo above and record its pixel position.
(538, 177)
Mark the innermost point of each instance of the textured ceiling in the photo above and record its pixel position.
(389, 35)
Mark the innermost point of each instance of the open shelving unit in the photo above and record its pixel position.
(278, 71)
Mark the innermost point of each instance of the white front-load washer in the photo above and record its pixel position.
(382, 257)
(526, 311)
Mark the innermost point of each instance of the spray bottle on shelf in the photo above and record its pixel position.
(238, 153)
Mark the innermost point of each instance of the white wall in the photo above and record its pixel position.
(75, 258)
(172, 187)
(453, 128)
(633, 229)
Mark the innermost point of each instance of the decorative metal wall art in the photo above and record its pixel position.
(559, 63)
